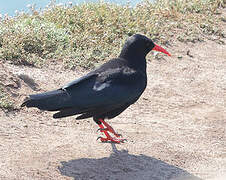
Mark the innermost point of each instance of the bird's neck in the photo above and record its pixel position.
(131, 53)
(134, 60)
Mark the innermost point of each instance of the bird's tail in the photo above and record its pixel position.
(50, 101)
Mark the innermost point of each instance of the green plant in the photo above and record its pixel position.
(85, 34)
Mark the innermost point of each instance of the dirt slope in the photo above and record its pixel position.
(175, 131)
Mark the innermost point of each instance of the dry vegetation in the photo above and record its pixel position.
(4, 101)
(83, 35)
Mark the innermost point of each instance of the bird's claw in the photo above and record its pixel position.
(98, 138)
(118, 135)
(102, 129)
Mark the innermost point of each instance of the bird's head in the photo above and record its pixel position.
(139, 46)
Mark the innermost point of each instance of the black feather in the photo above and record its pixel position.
(51, 101)
(105, 92)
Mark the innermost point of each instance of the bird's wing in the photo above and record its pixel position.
(107, 89)
(80, 80)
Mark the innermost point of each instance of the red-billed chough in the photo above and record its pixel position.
(105, 92)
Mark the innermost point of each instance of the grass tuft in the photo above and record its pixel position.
(5, 102)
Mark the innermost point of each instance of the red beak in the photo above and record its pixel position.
(160, 49)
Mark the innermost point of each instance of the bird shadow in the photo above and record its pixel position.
(121, 165)
(30, 82)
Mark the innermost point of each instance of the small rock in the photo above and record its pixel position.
(179, 57)
(188, 53)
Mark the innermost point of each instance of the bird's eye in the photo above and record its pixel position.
(148, 44)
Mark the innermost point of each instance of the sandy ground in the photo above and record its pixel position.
(176, 131)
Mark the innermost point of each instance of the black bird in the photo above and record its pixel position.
(105, 92)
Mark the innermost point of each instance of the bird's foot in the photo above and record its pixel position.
(108, 128)
(108, 137)
(111, 139)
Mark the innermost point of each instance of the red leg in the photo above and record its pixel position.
(108, 137)
(109, 128)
